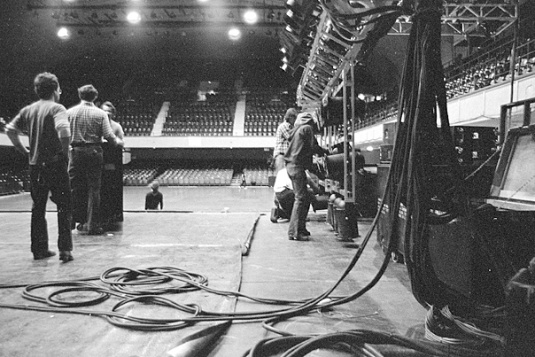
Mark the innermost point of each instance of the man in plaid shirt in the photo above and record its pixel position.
(282, 135)
(89, 124)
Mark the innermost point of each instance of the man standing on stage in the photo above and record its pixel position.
(303, 146)
(45, 122)
(89, 125)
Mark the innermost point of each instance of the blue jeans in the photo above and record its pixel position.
(302, 202)
(85, 172)
(45, 179)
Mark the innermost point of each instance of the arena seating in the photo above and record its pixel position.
(196, 177)
(137, 116)
(213, 117)
(265, 111)
(12, 181)
(257, 176)
(485, 68)
(138, 176)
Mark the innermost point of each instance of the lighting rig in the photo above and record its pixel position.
(161, 14)
(328, 44)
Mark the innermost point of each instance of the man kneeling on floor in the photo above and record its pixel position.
(285, 196)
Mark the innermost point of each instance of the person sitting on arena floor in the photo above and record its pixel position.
(154, 198)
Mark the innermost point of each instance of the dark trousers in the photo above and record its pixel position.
(85, 173)
(285, 200)
(302, 202)
(52, 178)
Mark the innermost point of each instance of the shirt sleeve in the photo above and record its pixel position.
(61, 123)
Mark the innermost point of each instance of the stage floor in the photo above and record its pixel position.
(223, 233)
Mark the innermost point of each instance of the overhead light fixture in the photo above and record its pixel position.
(234, 34)
(250, 17)
(64, 33)
(133, 17)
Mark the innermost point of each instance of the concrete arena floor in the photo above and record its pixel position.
(203, 229)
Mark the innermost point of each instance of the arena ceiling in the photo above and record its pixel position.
(186, 33)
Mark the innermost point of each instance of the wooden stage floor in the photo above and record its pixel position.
(223, 233)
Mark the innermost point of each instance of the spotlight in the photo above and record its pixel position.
(234, 34)
(133, 17)
(250, 17)
(64, 33)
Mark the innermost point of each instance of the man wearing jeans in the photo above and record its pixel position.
(298, 159)
(89, 125)
(45, 123)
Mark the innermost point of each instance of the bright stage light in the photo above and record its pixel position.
(64, 33)
(250, 17)
(234, 34)
(133, 17)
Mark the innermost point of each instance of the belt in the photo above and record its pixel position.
(82, 144)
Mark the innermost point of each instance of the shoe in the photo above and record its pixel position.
(65, 256)
(274, 215)
(305, 233)
(47, 254)
(95, 232)
(299, 237)
(81, 227)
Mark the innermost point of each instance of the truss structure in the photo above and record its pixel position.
(169, 14)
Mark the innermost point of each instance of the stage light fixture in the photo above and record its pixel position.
(250, 17)
(234, 34)
(133, 17)
(64, 33)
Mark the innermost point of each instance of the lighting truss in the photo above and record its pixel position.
(345, 34)
(158, 13)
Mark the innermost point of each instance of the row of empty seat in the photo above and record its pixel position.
(197, 176)
(12, 181)
(487, 68)
(490, 67)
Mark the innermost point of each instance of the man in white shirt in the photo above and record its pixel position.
(285, 197)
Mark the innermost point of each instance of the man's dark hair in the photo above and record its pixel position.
(110, 105)
(45, 84)
(88, 93)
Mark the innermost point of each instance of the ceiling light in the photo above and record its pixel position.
(133, 17)
(234, 34)
(64, 33)
(250, 17)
